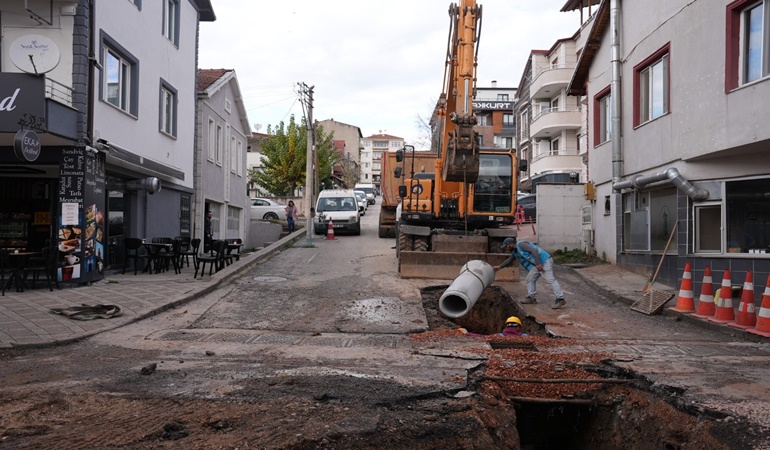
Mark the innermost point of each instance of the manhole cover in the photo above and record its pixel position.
(270, 279)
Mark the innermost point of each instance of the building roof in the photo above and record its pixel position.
(572, 5)
(577, 85)
(383, 137)
(207, 77)
(206, 10)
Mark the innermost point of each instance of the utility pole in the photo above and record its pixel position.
(306, 97)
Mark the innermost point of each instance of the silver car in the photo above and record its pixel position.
(266, 209)
(363, 202)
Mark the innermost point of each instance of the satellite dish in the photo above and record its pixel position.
(257, 126)
(33, 53)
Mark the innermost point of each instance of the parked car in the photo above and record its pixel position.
(266, 209)
(363, 203)
(341, 207)
(530, 207)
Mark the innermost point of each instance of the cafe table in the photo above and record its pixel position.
(153, 250)
(18, 260)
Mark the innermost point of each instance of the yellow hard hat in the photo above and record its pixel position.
(513, 319)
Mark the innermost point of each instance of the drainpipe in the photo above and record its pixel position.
(671, 175)
(466, 289)
(617, 150)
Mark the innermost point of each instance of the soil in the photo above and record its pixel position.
(78, 398)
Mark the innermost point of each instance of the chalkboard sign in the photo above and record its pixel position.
(72, 175)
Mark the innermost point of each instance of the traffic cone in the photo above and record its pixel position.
(686, 302)
(330, 231)
(747, 317)
(706, 305)
(724, 309)
(763, 318)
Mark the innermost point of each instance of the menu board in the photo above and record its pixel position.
(82, 196)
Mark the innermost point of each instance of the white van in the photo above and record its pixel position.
(339, 205)
(369, 189)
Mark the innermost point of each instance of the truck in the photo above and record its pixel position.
(393, 174)
(458, 211)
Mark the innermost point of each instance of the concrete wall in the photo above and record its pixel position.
(559, 216)
(260, 233)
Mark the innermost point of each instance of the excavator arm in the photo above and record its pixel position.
(460, 143)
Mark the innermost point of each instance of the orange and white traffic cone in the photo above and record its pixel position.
(724, 309)
(763, 318)
(330, 231)
(747, 317)
(706, 305)
(686, 301)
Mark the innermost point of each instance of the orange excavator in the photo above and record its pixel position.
(458, 212)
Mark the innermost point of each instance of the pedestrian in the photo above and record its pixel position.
(512, 327)
(291, 215)
(537, 262)
(208, 233)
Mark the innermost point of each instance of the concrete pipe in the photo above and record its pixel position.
(466, 289)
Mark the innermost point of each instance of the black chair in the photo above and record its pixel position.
(132, 249)
(214, 259)
(234, 249)
(168, 256)
(191, 250)
(46, 265)
(5, 267)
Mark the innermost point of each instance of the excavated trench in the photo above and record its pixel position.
(621, 410)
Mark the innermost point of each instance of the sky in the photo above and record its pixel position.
(375, 65)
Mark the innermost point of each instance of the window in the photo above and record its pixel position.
(380, 144)
(482, 120)
(233, 153)
(211, 151)
(171, 21)
(748, 42)
(508, 120)
(220, 143)
(502, 97)
(554, 146)
(747, 212)
(119, 84)
(603, 116)
(167, 109)
(228, 105)
(215, 214)
(239, 160)
(396, 144)
(651, 81)
(524, 125)
(376, 166)
(708, 220)
(233, 223)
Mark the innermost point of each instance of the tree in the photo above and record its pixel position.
(284, 154)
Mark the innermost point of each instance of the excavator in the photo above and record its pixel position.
(459, 212)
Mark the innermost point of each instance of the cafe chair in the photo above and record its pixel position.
(132, 248)
(5, 268)
(169, 256)
(46, 265)
(234, 249)
(191, 250)
(214, 259)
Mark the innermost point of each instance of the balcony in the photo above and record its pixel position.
(550, 80)
(553, 120)
(555, 163)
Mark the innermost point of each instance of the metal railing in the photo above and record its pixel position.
(545, 111)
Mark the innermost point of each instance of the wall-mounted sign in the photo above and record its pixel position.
(26, 145)
(33, 53)
(20, 94)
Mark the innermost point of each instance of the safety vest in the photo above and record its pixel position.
(527, 260)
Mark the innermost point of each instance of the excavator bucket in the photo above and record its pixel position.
(447, 265)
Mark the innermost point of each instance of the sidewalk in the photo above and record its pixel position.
(26, 319)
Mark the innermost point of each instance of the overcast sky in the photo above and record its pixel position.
(375, 65)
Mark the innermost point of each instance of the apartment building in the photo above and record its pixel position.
(677, 134)
(101, 99)
(371, 157)
(493, 107)
(221, 172)
(348, 141)
(548, 120)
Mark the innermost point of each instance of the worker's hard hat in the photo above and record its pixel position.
(513, 319)
(506, 242)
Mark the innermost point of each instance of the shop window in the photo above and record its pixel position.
(216, 213)
(651, 82)
(748, 216)
(185, 216)
(636, 221)
(662, 219)
(233, 223)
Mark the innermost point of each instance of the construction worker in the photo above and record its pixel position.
(512, 327)
(536, 262)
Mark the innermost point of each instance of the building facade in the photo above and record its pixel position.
(493, 107)
(348, 141)
(677, 136)
(221, 171)
(104, 97)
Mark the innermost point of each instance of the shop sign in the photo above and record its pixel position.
(26, 145)
(20, 94)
